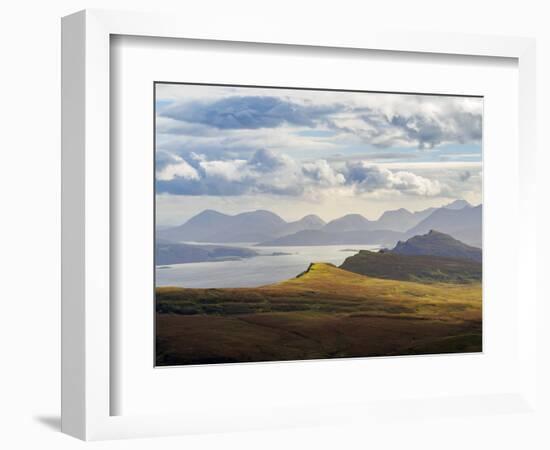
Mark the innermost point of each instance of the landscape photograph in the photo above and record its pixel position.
(305, 224)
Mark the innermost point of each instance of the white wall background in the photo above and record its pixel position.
(29, 226)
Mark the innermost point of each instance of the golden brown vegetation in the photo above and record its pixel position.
(325, 312)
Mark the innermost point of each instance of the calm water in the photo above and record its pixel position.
(256, 271)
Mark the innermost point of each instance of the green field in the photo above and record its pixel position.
(326, 312)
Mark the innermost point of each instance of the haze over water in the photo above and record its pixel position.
(255, 271)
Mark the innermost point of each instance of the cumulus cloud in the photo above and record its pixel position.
(278, 174)
(263, 172)
(322, 173)
(368, 178)
(176, 167)
(231, 170)
(222, 141)
(268, 161)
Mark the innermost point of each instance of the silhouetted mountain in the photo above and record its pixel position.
(266, 227)
(178, 253)
(458, 204)
(462, 224)
(310, 222)
(423, 268)
(421, 215)
(398, 220)
(254, 226)
(437, 244)
(212, 226)
(349, 222)
(401, 219)
(322, 237)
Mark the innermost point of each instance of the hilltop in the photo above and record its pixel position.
(435, 243)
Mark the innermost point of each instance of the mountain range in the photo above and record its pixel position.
(254, 226)
(459, 219)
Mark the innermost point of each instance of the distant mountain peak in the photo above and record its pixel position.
(396, 211)
(258, 212)
(206, 216)
(351, 216)
(311, 216)
(458, 204)
(400, 219)
(210, 212)
(463, 224)
(312, 219)
(251, 226)
(348, 222)
(358, 218)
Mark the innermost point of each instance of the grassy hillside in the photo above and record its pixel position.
(325, 312)
(421, 268)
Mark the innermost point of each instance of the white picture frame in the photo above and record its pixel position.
(86, 220)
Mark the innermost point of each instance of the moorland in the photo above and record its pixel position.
(376, 304)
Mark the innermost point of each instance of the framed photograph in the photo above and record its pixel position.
(252, 218)
(360, 241)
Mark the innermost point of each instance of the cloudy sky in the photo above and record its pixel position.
(298, 152)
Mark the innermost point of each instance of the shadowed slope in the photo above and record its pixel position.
(413, 268)
(435, 243)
